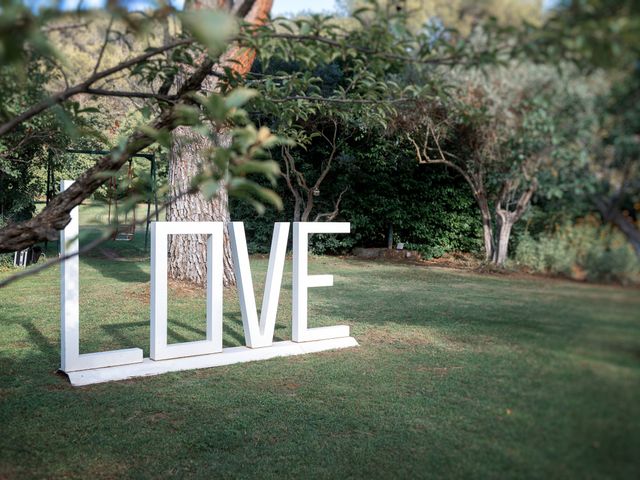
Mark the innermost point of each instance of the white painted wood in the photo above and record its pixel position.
(69, 291)
(85, 369)
(259, 333)
(71, 359)
(160, 231)
(302, 281)
(227, 357)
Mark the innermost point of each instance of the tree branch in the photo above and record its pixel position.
(332, 215)
(84, 86)
(55, 216)
(364, 101)
(104, 45)
(424, 159)
(116, 93)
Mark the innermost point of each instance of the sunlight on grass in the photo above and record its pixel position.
(457, 374)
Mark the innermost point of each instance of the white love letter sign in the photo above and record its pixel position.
(85, 369)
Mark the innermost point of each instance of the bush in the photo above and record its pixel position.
(583, 250)
(320, 244)
(429, 251)
(6, 259)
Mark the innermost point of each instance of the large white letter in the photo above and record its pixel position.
(302, 281)
(259, 334)
(71, 359)
(213, 343)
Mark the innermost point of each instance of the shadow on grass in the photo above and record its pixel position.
(126, 271)
(40, 340)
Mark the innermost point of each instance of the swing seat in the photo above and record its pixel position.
(124, 232)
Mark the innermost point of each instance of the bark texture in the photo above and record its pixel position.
(188, 253)
(507, 218)
(487, 228)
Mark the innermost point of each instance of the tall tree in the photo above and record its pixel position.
(189, 148)
(604, 34)
(510, 134)
(165, 109)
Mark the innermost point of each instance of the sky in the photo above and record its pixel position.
(280, 7)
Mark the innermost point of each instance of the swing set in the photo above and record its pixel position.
(123, 223)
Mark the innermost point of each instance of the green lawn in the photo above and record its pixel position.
(457, 375)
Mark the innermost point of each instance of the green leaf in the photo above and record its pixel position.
(212, 28)
(239, 97)
(210, 188)
(266, 168)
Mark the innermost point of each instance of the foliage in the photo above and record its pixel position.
(167, 104)
(596, 34)
(616, 170)
(591, 33)
(511, 133)
(582, 250)
(25, 152)
(433, 211)
(6, 259)
(461, 15)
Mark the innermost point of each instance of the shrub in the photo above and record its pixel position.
(429, 251)
(6, 259)
(320, 244)
(583, 250)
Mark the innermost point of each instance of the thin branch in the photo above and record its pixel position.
(104, 45)
(84, 86)
(106, 235)
(50, 263)
(55, 216)
(422, 158)
(286, 154)
(116, 93)
(334, 149)
(364, 101)
(332, 215)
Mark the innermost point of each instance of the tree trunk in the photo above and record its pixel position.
(612, 214)
(307, 208)
(297, 209)
(487, 234)
(502, 251)
(487, 229)
(188, 253)
(507, 218)
(629, 229)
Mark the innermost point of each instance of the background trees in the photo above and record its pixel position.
(429, 124)
(183, 106)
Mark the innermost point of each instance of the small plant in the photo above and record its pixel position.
(330, 244)
(6, 259)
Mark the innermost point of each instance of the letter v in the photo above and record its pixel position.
(259, 334)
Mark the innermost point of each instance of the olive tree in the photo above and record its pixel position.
(511, 133)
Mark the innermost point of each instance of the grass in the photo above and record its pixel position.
(458, 375)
